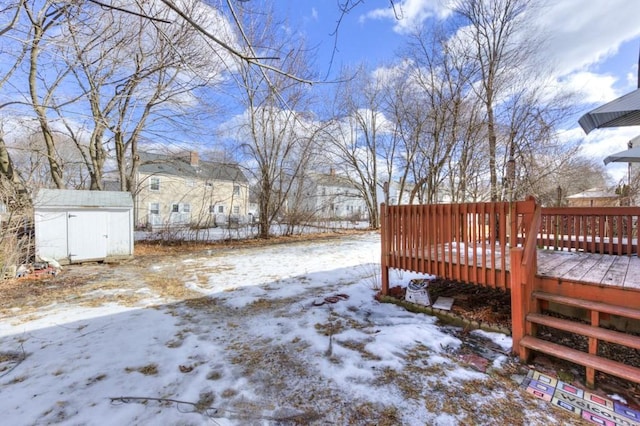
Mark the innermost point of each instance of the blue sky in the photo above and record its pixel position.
(593, 45)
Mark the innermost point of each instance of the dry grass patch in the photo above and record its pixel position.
(26, 295)
(170, 287)
(96, 379)
(147, 370)
(263, 305)
(202, 303)
(18, 379)
(205, 401)
(229, 393)
(214, 375)
(358, 347)
(364, 413)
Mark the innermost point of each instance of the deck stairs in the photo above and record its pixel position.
(592, 329)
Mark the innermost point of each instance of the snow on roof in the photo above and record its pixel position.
(77, 198)
(594, 193)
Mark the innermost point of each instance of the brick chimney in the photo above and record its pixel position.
(193, 158)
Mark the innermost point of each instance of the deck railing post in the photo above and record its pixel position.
(524, 266)
(385, 249)
(519, 305)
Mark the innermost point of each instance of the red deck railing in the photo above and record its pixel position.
(464, 242)
(605, 230)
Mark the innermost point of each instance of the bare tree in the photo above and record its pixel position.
(360, 138)
(495, 31)
(436, 118)
(7, 170)
(45, 77)
(275, 138)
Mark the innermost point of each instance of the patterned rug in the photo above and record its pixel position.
(590, 407)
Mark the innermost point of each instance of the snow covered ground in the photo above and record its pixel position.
(246, 345)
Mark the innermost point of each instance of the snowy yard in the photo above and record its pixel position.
(232, 336)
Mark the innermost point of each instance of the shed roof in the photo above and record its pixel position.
(85, 199)
(151, 163)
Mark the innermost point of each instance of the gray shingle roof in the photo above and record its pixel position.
(180, 166)
(333, 180)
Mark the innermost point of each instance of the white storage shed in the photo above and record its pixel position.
(77, 226)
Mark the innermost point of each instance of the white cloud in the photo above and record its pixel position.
(580, 36)
(582, 41)
(594, 88)
(406, 14)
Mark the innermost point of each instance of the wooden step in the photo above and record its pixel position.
(604, 365)
(611, 336)
(587, 304)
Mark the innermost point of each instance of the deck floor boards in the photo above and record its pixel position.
(603, 269)
(593, 268)
(591, 265)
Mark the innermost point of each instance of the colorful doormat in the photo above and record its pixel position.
(590, 407)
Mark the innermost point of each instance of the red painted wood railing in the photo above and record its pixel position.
(605, 230)
(524, 266)
(464, 242)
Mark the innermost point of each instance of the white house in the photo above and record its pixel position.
(331, 196)
(183, 190)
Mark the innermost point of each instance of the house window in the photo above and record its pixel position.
(154, 208)
(180, 208)
(154, 184)
(236, 189)
(212, 208)
(236, 209)
(220, 209)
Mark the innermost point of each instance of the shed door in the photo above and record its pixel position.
(87, 233)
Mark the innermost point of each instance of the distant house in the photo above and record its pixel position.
(594, 197)
(182, 190)
(396, 196)
(331, 196)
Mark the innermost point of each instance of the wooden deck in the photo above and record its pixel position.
(581, 259)
(588, 268)
(591, 268)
